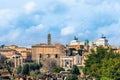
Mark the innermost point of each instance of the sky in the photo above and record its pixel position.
(27, 22)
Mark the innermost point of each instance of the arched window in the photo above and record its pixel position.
(56, 55)
(40, 55)
(48, 55)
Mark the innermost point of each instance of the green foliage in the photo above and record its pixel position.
(25, 70)
(19, 70)
(104, 64)
(49, 64)
(32, 73)
(57, 69)
(35, 74)
(2, 59)
(75, 70)
(34, 66)
(9, 70)
(72, 77)
(105, 78)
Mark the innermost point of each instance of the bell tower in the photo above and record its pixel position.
(49, 39)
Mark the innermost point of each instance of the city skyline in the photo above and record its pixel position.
(28, 22)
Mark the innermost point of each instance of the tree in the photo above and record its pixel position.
(34, 66)
(103, 64)
(49, 65)
(25, 70)
(9, 70)
(2, 59)
(57, 69)
(34, 74)
(19, 69)
(72, 77)
(75, 70)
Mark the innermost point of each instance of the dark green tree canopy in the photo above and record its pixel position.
(57, 69)
(103, 64)
(19, 69)
(25, 70)
(72, 77)
(75, 70)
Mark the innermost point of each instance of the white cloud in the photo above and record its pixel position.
(29, 7)
(85, 15)
(34, 29)
(7, 17)
(67, 30)
(12, 35)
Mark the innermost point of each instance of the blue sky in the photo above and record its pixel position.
(27, 22)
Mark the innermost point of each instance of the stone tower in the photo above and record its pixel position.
(49, 39)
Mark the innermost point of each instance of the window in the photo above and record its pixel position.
(56, 55)
(40, 56)
(48, 55)
(81, 47)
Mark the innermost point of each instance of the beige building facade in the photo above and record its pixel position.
(7, 52)
(44, 51)
(25, 52)
(41, 52)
